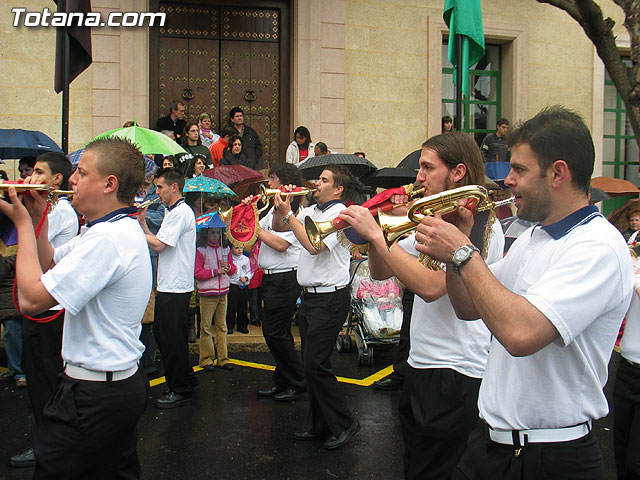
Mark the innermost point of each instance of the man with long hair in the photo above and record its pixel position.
(438, 406)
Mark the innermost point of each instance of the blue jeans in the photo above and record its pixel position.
(13, 345)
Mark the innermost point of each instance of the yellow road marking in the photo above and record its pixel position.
(364, 382)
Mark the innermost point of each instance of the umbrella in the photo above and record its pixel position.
(598, 195)
(148, 141)
(230, 174)
(411, 161)
(313, 167)
(619, 216)
(213, 187)
(209, 220)
(150, 167)
(390, 177)
(18, 143)
(614, 186)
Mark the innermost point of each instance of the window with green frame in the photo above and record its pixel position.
(483, 109)
(620, 159)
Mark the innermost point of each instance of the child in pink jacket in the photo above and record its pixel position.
(212, 270)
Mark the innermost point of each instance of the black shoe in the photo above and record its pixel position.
(392, 382)
(308, 436)
(209, 367)
(226, 366)
(287, 395)
(270, 392)
(24, 459)
(173, 400)
(334, 442)
(243, 330)
(256, 323)
(230, 331)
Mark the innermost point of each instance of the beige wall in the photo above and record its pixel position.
(110, 92)
(366, 74)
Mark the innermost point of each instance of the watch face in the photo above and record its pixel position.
(460, 255)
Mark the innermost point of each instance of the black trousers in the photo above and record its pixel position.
(42, 359)
(237, 303)
(626, 421)
(281, 291)
(171, 329)
(321, 317)
(575, 460)
(89, 429)
(400, 365)
(438, 410)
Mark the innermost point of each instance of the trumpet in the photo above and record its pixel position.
(149, 202)
(266, 194)
(24, 187)
(474, 197)
(316, 232)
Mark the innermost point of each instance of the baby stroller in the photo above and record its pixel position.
(375, 316)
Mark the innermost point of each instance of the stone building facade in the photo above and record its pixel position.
(360, 74)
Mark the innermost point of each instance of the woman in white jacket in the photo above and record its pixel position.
(301, 148)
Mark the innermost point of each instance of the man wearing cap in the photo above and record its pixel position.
(553, 304)
(324, 276)
(103, 279)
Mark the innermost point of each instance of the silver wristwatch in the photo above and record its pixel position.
(461, 256)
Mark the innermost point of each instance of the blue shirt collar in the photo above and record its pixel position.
(579, 217)
(178, 202)
(324, 206)
(114, 216)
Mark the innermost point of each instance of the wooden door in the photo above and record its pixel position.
(215, 57)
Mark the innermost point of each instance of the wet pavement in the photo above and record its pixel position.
(228, 433)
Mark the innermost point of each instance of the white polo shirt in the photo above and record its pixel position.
(103, 280)
(578, 273)
(439, 339)
(176, 263)
(329, 268)
(273, 260)
(630, 343)
(63, 223)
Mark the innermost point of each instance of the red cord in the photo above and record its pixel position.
(15, 285)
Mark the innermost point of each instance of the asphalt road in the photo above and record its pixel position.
(228, 433)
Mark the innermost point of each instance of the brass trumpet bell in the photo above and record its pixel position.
(266, 194)
(316, 232)
(393, 227)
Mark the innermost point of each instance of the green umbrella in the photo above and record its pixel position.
(148, 141)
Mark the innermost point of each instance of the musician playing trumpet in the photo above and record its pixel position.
(278, 259)
(324, 276)
(438, 406)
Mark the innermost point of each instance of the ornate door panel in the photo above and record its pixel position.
(214, 57)
(250, 80)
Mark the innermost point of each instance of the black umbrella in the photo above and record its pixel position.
(313, 167)
(411, 161)
(18, 143)
(598, 195)
(390, 177)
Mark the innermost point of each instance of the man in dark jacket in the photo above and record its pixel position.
(174, 121)
(251, 144)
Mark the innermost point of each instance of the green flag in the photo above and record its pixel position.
(464, 17)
